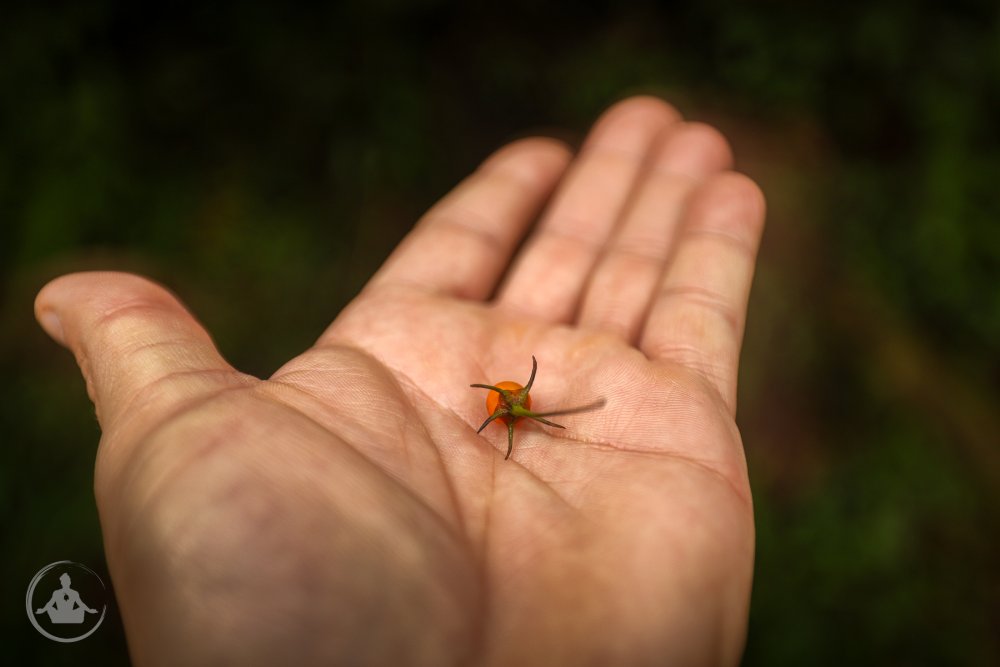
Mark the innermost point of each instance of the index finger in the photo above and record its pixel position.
(462, 245)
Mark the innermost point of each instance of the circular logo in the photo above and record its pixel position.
(66, 601)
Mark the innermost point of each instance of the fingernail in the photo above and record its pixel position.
(53, 327)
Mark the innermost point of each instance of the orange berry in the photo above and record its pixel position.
(493, 399)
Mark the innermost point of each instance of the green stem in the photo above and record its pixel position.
(531, 380)
(498, 413)
(519, 411)
(489, 386)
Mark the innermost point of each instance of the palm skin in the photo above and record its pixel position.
(344, 511)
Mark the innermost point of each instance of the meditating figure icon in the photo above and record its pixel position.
(65, 605)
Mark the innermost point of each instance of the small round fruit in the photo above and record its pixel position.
(493, 399)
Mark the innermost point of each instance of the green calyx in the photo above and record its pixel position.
(510, 408)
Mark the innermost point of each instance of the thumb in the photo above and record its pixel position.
(138, 348)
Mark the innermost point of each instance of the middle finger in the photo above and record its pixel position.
(549, 275)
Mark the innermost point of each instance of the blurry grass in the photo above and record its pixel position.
(262, 163)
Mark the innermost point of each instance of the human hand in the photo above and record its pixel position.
(344, 511)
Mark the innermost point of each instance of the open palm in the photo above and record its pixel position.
(344, 511)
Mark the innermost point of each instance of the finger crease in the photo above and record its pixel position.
(707, 298)
(637, 252)
(728, 238)
(146, 346)
(124, 309)
(452, 223)
(694, 358)
(141, 395)
(566, 235)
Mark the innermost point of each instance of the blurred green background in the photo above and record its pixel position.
(261, 162)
